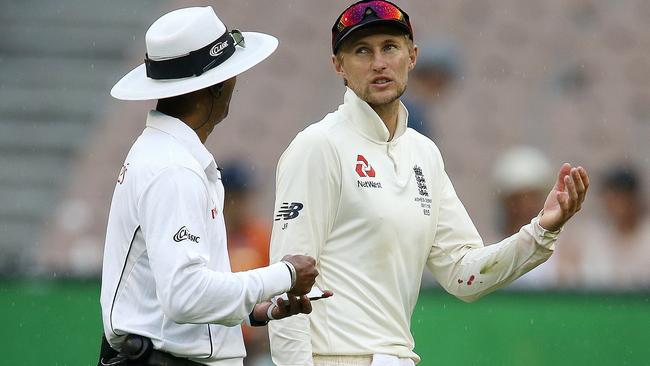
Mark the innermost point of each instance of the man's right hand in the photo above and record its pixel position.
(306, 273)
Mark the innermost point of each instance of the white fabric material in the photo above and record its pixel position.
(171, 36)
(373, 236)
(182, 31)
(390, 360)
(365, 360)
(166, 271)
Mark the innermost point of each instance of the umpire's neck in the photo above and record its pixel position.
(201, 110)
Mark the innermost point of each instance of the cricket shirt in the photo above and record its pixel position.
(166, 273)
(374, 213)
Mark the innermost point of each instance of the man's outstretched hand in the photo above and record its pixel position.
(566, 197)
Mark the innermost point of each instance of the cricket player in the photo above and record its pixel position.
(168, 296)
(370, 200)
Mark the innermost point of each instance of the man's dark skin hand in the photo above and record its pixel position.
(306, 273)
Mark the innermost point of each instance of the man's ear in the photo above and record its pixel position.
(337, 61)
(413, 55)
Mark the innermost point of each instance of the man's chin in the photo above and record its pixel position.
(378, 99)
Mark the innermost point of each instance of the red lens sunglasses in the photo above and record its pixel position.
(355, 14)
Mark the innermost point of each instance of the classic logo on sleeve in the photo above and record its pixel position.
(289, 211)
(184, 234)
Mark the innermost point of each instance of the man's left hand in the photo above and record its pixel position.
(566, 197)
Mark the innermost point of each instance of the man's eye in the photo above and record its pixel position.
(362, 50)
(390, 47)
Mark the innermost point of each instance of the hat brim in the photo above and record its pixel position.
(137, 86)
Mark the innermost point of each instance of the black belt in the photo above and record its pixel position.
(138, 351)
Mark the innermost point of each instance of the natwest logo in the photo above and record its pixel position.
(363, 167)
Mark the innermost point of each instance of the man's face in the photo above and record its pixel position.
(222, 102)
(375, 62)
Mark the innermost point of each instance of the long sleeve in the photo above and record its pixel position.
(307, 193)
(179, 251)
(467, 269)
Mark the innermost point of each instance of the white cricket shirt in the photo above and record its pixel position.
(374, 214)
(166, 272)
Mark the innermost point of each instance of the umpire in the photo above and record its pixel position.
(168, 296)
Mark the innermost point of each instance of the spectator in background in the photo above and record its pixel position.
(248, 246)
(614, 252)
(248, 236)
(437, 70)
(521, 178)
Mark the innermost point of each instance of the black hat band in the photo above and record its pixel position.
(193, 64)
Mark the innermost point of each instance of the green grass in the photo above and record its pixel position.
(58, 323)
(50, 323)
(533, 329)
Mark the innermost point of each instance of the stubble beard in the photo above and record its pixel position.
(380, 100)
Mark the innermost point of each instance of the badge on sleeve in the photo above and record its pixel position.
(184, 234)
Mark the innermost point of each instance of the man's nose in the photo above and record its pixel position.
(379, 61)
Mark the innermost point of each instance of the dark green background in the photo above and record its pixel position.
(58, 323)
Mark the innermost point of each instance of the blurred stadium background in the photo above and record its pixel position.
(570, 78)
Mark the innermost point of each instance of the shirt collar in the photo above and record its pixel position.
(183, 134)
(367, 121)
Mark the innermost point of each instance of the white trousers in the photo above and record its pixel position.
(369, 360)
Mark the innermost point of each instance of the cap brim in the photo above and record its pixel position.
(137, 86)
(373, 22)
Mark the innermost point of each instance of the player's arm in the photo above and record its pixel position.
(468, 270)
(175, 212)
(307, 193)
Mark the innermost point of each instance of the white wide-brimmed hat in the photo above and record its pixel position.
(188, 50)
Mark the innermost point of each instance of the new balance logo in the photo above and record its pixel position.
(184, 234)
(363, 168)
(289, 211)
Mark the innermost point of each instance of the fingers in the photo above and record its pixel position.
(585, 177)
(563, 200)
(581, 185)
(305, 305)
(560, 185)
(326, 294)
(572, 191)
(294, 305)
(280, 310)
(576, 184)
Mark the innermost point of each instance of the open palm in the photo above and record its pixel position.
(566, 197)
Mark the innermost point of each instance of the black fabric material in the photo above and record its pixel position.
(138, 351)
(256, 323)
(106, 352)
(195, 63)
(339, 34)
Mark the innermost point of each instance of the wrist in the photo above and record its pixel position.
(292, 271)
(269, 311)
(255, 316)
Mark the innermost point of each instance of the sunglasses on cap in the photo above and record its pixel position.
(355, 13)
(366, 12)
